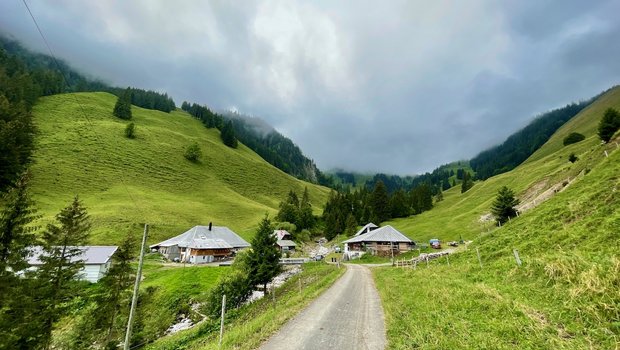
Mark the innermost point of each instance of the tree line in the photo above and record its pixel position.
(213, 120)
(522, 144)
(344, 211)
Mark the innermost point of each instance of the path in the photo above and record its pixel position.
(347, 316)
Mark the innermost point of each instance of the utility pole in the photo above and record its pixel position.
(134, 299)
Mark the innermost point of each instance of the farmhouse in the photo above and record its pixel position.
(202, 244)
(285, 241)
(97, 261)
(381, 241)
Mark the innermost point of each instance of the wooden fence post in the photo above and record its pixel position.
(447, 259)
(516, 253)
(222, 319)
(479, 260)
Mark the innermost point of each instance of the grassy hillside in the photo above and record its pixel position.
(564, 296)
(81, 149)
(459, 214)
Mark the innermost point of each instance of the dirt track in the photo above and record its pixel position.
(347, 316)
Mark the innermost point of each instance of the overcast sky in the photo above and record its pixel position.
(383, 86)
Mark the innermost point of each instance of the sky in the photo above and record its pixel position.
(395, 87)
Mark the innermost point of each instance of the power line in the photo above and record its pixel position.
(81, 107)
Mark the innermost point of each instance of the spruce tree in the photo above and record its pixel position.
(306, 219)
(351, 225)
(503, 206)
(380, 201)
(228, 135)
(122, 108)
(115, 296)
(61, 263)
(467, 182)
(609, 124)
(16, 236)
(264, 258)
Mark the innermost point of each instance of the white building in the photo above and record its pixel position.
(97, 261)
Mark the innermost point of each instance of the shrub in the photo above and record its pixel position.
(573, 137)
(193, 152)
(572, 158)
(130, 131)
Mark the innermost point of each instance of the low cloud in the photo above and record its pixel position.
(396, 87)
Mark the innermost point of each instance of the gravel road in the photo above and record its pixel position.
(347, 316)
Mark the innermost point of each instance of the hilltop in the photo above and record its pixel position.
(81, 149)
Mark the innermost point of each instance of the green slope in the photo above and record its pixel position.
(81, 149)
(566, 294)
(458, 214)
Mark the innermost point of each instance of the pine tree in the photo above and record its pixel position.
(467, 182)
(289, 210)
(380, 203)
(16, 236)
(228, 135)
(503, 206)
(398, 205)
(306, 219)
(351, 225)
(122, 108)
(61, 263)
(115, 296)
(264, 258)
(609, 124)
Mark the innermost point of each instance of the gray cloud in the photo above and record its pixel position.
(397, 87)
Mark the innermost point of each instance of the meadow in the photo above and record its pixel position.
(81, 150)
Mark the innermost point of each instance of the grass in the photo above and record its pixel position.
(81, 149)
(564, 296)
(458, 214)
(249, 326)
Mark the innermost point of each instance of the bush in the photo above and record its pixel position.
(287, 226)
(573, 137)
(572, 158)
(235, 285)
(130, 131)
(193, 152)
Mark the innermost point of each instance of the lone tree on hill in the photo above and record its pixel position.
(573, 137)
(193, 152)
(609, 124)
(504, 205)
(122, 109)
(264, 258)
(228, 135)
(130, 131)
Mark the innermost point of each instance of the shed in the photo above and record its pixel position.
(286, 245)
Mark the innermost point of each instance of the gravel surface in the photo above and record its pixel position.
(347, 316)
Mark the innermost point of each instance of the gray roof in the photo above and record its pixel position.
(281, 234)
(211, 244)
(91, 255)
(286, 243)
(197, 235)
(367, 228)
(383, 234)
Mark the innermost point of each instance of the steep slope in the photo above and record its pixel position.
(564, 295)
(81, 149)
(545, 172)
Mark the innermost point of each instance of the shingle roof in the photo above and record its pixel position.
(286, 243)
(91, 255)
(367, 228)
(211, 244)
(383, 234)
(197, 234)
